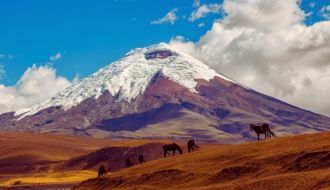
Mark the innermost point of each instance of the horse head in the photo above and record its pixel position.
(251, 126)
(179, 149)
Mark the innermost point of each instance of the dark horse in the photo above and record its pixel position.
(192, 146)
(101, 171)
(128, 163)
(171, 147)
(141, 159)
(264, 129)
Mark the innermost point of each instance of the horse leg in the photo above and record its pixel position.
(165, 152)
(265, 135)
(258, 136)
(174, 152)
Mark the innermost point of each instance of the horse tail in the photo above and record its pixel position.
(267, 128)
(165, 150)
(273, 134)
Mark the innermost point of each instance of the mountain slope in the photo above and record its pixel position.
(128, 77)
(159, 93)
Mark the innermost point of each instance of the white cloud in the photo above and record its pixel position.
(55, 57)
(201, 24)
(325, 12)
(186, 46)
(311, 4)
(170, 17)
(203, 11)
(2, 71)
(77, 78)
(6, 56)
(265, 44)
(36, 85)
(197, 3)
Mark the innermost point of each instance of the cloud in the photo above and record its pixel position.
(2, 71)
(203, 11)
(264, 44)
(55, 57)
(170, 17)
(201, 24)
(325, 12)
(196, 3)
(36, 85)
(6, 56)
(77, 78)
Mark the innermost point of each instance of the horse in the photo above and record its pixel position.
(192, 146)
(128, 163)
(171, 147)
(101, 171)
(141, 159)
(264, 129)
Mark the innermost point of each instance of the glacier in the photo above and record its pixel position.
(128, 77)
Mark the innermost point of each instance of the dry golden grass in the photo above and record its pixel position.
(51, 178)
(299, 162)
(31, 157)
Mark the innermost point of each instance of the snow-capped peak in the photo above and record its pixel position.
(129, 77)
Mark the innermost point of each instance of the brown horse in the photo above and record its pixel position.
(171, 147)
(101, 171)
(141, 159)
(264, 129)
(192, 146)
(128, 163)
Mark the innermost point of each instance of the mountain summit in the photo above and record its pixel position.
(129, 77)
(158, 92)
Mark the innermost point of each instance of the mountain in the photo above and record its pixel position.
(158, 92)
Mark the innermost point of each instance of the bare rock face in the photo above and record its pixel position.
(160, 93)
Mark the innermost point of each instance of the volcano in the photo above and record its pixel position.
(158, 92)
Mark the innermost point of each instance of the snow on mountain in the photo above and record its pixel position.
(128, 77)
(157, 93)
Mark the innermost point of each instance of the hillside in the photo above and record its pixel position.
(57, 161)
(303, 164)
(61, 160)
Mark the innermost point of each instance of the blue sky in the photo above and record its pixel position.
(280, 48)
(91, 34)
